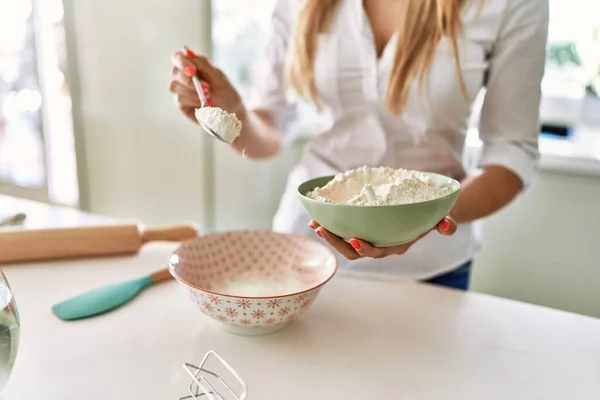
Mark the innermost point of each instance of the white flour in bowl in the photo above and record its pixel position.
(254, 286)
(380, 186)
(227, 125)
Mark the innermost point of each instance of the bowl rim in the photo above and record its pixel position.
(304, 196)
(171, 266)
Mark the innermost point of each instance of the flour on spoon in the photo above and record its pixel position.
(227, 125)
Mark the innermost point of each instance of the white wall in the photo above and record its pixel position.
(248, 192)
(545, 247)
(139, 157)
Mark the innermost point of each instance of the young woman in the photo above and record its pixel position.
(391, 82)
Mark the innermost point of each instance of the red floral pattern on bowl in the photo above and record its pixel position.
(207, 263)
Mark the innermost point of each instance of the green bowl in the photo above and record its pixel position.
(382, 226)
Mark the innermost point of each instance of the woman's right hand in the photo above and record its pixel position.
(218, 90)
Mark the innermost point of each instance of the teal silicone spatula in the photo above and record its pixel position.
(107, 298)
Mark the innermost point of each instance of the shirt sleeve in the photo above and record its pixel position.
(268, 92)
(509, 123)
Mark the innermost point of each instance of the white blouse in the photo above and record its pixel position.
(503, 50)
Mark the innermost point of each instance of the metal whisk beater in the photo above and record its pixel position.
(201, 389)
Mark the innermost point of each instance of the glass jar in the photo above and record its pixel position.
(9, 331)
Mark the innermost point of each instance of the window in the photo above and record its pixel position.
(572, 80)
(37, 157)
(240, 32)
(573, 66)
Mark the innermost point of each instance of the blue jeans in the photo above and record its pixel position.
(457, 279)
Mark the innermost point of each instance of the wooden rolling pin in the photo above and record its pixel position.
(20, 245)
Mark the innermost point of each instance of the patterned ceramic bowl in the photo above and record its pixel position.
(252, 282)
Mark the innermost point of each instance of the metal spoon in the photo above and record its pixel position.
(202, 98)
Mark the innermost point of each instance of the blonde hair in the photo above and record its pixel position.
(421, 27)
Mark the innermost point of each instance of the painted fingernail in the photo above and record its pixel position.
(355, 243)
(190, 70)
(189, 53)
(319, 233)
(445, 225)
(204, 85)
(209, 102)
(311, 225)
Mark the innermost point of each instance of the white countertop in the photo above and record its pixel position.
(39, 215)
(360, 339)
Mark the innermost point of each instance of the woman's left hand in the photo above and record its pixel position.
(358, 248)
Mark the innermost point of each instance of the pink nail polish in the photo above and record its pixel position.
(445, 225)
(355, 243)
(190, 70)
(189, 53)
(319, 233)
